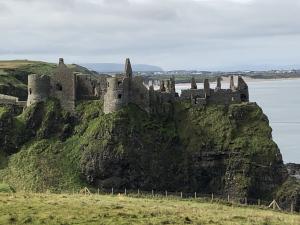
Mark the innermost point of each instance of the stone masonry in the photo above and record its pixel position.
(120, 90)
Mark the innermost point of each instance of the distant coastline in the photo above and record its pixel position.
(251, 79)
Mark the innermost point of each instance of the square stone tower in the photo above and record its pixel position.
(64, 86)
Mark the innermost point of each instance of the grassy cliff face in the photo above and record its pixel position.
(232, 147)
(13, 75)
(214, 149)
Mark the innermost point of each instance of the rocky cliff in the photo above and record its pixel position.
(216, 149)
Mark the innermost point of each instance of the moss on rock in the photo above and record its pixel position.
(207, 149)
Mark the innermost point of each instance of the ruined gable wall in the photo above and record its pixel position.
(194, 93)
(89, 87)
(224, 96)
(64, 87)
(139, 94)
(85, 87)
(161, 102)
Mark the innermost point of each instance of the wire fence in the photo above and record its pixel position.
(200, 197)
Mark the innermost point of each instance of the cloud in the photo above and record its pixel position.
(208, 34)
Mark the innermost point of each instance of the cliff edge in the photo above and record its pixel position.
(212, 149)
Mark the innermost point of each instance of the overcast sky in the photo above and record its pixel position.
(173, 34)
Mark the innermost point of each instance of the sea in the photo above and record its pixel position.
(280, 101)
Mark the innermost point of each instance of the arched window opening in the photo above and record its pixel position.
(30, 91)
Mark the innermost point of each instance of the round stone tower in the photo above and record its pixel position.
(115, 96)
(38, 88)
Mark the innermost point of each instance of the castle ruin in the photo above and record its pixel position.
(120, 90)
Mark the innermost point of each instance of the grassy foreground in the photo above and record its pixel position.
(24, 208)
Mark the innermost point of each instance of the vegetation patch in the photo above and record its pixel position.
(103, 209)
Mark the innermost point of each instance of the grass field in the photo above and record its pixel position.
(10, 64)
(24, 208)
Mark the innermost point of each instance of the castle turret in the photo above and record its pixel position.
(206, 88)
(114, 98)
(193, 83)
(128, 68)
(38, 88)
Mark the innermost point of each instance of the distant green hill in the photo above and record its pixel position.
(117, 67)
(13, 75)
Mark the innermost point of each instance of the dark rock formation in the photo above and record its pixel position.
(213, 149)
(293, 170)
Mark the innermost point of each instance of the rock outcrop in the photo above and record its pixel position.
(213, 149)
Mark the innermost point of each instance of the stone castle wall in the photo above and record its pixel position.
(119, 91)
(38, 88)
(63, 86)
(218, 95)
(139, 94)
(116, 96)
(89, 87)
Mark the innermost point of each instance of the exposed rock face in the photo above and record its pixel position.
(11, 136)
(213, 149)
(189, 151)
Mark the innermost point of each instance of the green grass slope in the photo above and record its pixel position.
(53, 209)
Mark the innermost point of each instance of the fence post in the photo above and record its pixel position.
(112, 191)
(138, 191)
(228, 198)
(246, 202)
(166, 194)
(152, 193)
(195, 195)
(292, 208)
(98, 191)
(258, 202)
(180, 194)
(212, 197)
(125, 192)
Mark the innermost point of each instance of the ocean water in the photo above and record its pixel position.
(280, 101)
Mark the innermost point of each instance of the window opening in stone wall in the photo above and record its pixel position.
(30, 91)
(58, 87)
(119, 83)
(119, 96)
(243, 98)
